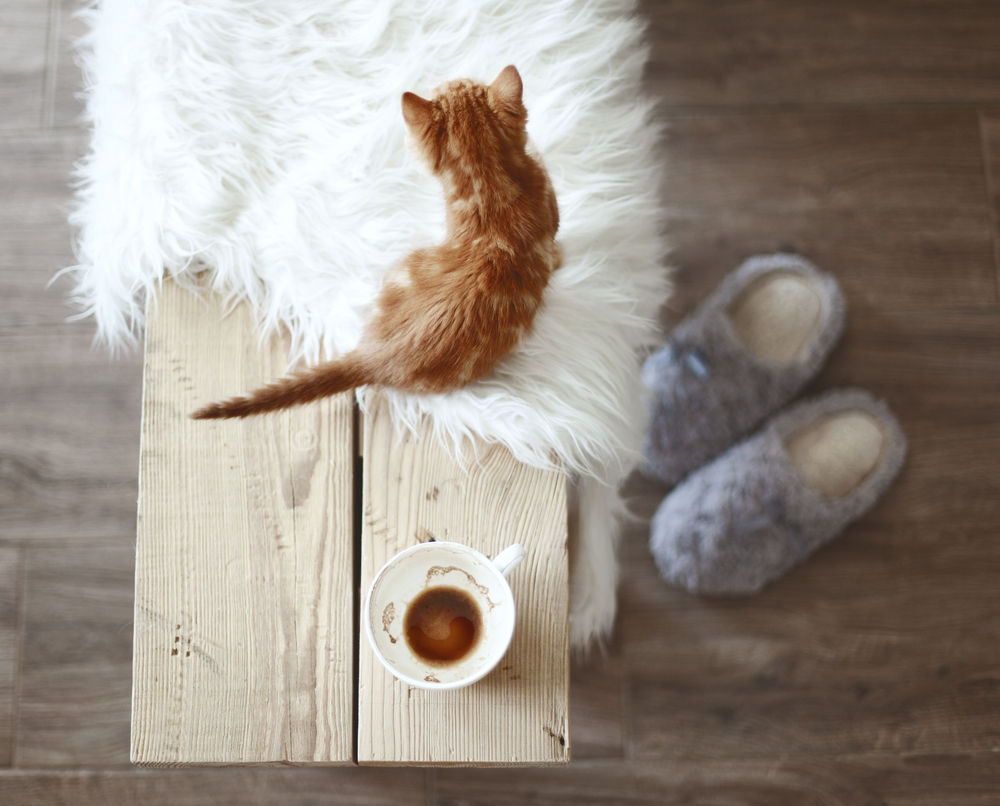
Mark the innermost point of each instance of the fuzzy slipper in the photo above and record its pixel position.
(743, 354)
(769, 502)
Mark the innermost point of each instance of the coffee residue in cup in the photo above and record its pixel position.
(442, 625)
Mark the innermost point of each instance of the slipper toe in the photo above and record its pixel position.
(742, 355)
(771, 501)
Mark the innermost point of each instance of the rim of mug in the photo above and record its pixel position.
(426, 684)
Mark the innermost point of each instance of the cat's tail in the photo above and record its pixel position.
(302, 387)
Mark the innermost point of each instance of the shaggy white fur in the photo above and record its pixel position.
(263, 139)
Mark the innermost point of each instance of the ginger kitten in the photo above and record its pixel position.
(446, 315)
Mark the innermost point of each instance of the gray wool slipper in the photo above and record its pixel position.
(742, 355)
(769, 502)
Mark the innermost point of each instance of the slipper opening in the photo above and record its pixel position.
(836, 453)
(778, 315)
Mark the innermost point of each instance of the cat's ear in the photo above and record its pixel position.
(417, 111)
(506, 88)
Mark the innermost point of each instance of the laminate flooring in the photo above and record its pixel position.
(863, 135)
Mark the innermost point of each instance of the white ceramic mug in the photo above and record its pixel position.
(441, 564)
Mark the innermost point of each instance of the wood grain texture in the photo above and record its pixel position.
(244, 578)
(597, 686)
(766, 53)
(11, 603)
(518, 714)
(990, 127)
(851, 132)
(23, 36)
(892, 201)
(937, 371)
(200, 787)
(882, 642)
(65, 106)
(69, 443)
(829, 781)
(77, 656)
(35, 238)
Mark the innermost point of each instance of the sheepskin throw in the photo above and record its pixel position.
(263, 140)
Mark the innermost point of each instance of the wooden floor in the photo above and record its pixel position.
(863, 135)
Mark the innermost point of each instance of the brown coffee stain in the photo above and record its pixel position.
(442, 625)
(440, 570)
(388, 616)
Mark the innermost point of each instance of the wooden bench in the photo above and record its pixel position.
(256, 539)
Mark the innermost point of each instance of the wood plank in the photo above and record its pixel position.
(822, 781)
(69, 447)
(890, 200)
(35, 238)
(897, 221)
(66, 85)
(881, 641)
(23, 35)
(990, 125)
(595, 706)
(518, 714)
(937, 371)
(201, 787)
(874, 645)
(11, 600)
(244, 586)
(77, 656)
(771, 52)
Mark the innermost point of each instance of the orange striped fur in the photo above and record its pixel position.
(447, 315)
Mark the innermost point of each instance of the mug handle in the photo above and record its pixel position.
(509, 559)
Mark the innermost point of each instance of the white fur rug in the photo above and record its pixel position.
(263, 139)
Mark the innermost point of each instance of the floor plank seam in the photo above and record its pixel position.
(356, 530)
